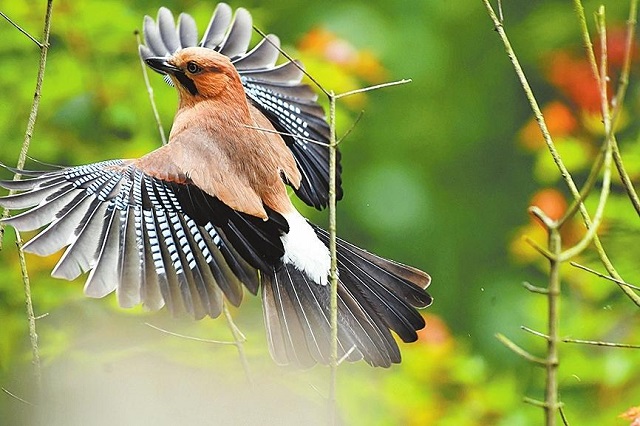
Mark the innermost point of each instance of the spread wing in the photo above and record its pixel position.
(276, 90)
(151, 241)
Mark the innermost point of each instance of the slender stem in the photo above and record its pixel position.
(31, 317)
(619, 102)
(589, 184)
(195, 339)
(606, 277)
(552, 361)
(31, 122)
(599, 343)
(586, 40)
(277, 132)
(239, 342)
(16, 397)
(534, 332)
(604, 258)
(333, 274)
(29, 36)
(606, 262)
(623, 82)
(534, 289)
(519, 351)
(566, 176)
(294, 62)
(369, 88)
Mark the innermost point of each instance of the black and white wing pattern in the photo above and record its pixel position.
(276, 90)
(151, 241)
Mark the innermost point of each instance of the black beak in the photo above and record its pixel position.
(161, 65)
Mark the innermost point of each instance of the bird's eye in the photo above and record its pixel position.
(193, 68)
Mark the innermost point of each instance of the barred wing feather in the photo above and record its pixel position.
(151, 241)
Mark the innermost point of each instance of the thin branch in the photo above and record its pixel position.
(585, 215)
(534, 402)
(599, 343)
(538, 213)
(32, 38)
(147, 83)
(619, 102)
(518, 350)
(623, 82)
(566, 176)
(544, 252)
(293, 61)
(31, 122)
(635, 298)
(589, 184)
(563, 416)
(16, 397)
(606, 277)
(196, 339)
(346, 355)
(31, 318)
(350, 129)
(586, 40)
(239, 339)
(277, 132)
(551, 396)
(333, 271)
(374, 87)
(534, 332)
(535, 289)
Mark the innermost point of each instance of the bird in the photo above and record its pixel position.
(192, 223)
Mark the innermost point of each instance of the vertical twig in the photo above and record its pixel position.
(239, 339)
(31, 122)
(635, 298)
(333, 274)
(552, 403)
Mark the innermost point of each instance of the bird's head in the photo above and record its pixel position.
(197, 72)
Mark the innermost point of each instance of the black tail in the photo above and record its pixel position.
(375, 296)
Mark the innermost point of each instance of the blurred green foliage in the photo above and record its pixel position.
(435, 175)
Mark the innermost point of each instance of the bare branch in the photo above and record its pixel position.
(606, 277)
(518, 350)
(262, 129)
(599, 343)
(196, 339)
(32, 38)
(16, 397)
(375, 87)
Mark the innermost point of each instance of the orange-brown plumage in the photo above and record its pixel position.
(215, 141)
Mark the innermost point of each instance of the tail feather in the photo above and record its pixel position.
(375, 296)
(296, 312)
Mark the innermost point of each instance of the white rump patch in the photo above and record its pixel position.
(304, 250)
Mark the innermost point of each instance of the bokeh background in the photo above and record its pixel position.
(437, 173)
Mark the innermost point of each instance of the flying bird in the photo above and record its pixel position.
(193, 222)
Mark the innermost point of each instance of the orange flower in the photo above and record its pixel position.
(551, 202)
(574, 78)
(327, 45)
(436, 332)
(616, 47)
(560, 122)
